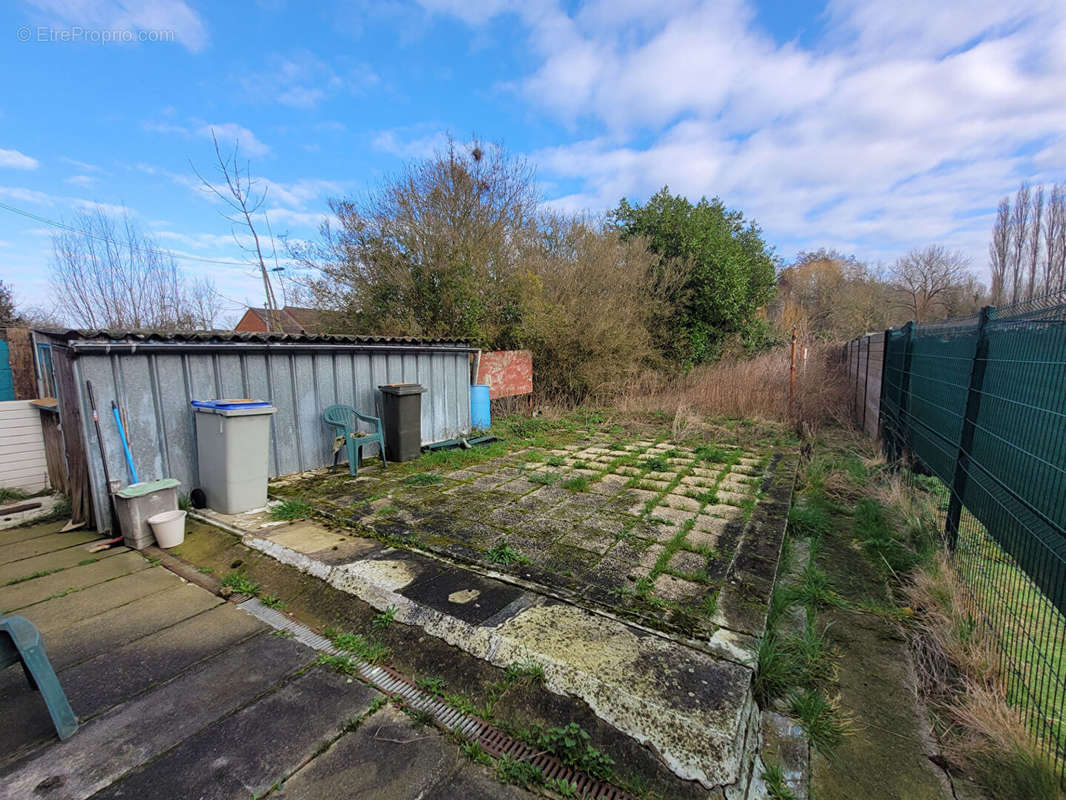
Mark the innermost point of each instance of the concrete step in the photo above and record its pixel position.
(136, 732)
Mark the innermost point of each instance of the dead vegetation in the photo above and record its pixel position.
(756, 388)
(960, 678)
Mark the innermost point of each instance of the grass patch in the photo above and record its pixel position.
(578, 483)
(423, 479)
(361, 647)
(555, 461)
(809, 520)
(528, 671)
(385, 618)
(818, 718)
(503, 553)
(774, 778)
(292, 509)
(272, 601)
(518, 772)
(544, 478)
(241, 583)
(11, 495)
(655, 464)
(434, 686)
(571, 744)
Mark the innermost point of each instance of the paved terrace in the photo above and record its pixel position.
(636, 571)
(182, 695)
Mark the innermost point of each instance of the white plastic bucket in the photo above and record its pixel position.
(168, 527)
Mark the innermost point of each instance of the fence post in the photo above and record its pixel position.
(881, 397)
(903, 406)
(969, 425)
(865, 380)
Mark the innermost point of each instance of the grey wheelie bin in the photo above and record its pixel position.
(401, 415)
(233, 446)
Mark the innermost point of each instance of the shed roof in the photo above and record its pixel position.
(223, 336)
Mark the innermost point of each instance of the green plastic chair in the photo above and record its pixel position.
(345, 420)
(20, 643)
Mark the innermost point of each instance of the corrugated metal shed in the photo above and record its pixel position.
(155, 375)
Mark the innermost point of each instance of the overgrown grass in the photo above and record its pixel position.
(8, 495)
(819, 719)
(361, 647)
(423, 479)
(292, 509)
(776, 787)
(578, 483)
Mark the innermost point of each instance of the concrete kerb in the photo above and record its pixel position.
(707, 747)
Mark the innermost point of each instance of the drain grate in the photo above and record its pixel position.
(491, 739)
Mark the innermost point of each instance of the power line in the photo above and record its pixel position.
(63, 226)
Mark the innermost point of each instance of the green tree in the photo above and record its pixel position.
(434, 251)
(729, 271)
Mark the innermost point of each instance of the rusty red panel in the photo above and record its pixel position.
(506, 372)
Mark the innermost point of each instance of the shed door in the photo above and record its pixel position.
(7, 380)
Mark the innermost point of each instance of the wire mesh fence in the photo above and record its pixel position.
(980, 403)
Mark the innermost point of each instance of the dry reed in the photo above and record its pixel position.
(754, 388)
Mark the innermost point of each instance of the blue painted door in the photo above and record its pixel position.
(7, 381)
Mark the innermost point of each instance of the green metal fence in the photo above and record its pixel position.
(980, 403)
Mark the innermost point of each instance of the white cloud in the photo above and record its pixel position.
(228, 134)
(23, 195)
(902, 124)
(302, 80)
(13, 159)
(171, 16)
(81, 180)
(409, 143)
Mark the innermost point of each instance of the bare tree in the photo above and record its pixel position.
(1035, 229)
(999, 250)
(1020, 237)
(1055, 240)
(930, 279)
(241, 195)
(106, 273)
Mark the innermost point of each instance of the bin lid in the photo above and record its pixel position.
(147, 487)
(402, 388)
(242, 402)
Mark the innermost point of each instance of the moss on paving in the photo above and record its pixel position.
(471, 683)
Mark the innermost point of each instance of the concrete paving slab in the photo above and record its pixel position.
(19, 534)
(49, 543)
(248, 752)
(72, 643)
(677, 589)
(20, 595)
(389, 758)
(462, 594)
(137, 731)
(62, 611)
(61, 559)
(95, 685)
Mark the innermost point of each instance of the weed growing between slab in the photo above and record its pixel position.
(240, 583)
(292, 510)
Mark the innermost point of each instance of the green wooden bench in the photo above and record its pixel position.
(345, 420)
(20, 643)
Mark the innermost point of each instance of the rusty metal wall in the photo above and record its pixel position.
(155, 385)
(865, 357)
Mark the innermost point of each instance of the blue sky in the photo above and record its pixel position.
(869, 126)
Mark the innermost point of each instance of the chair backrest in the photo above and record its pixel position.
(340, 415)
(346, 417)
